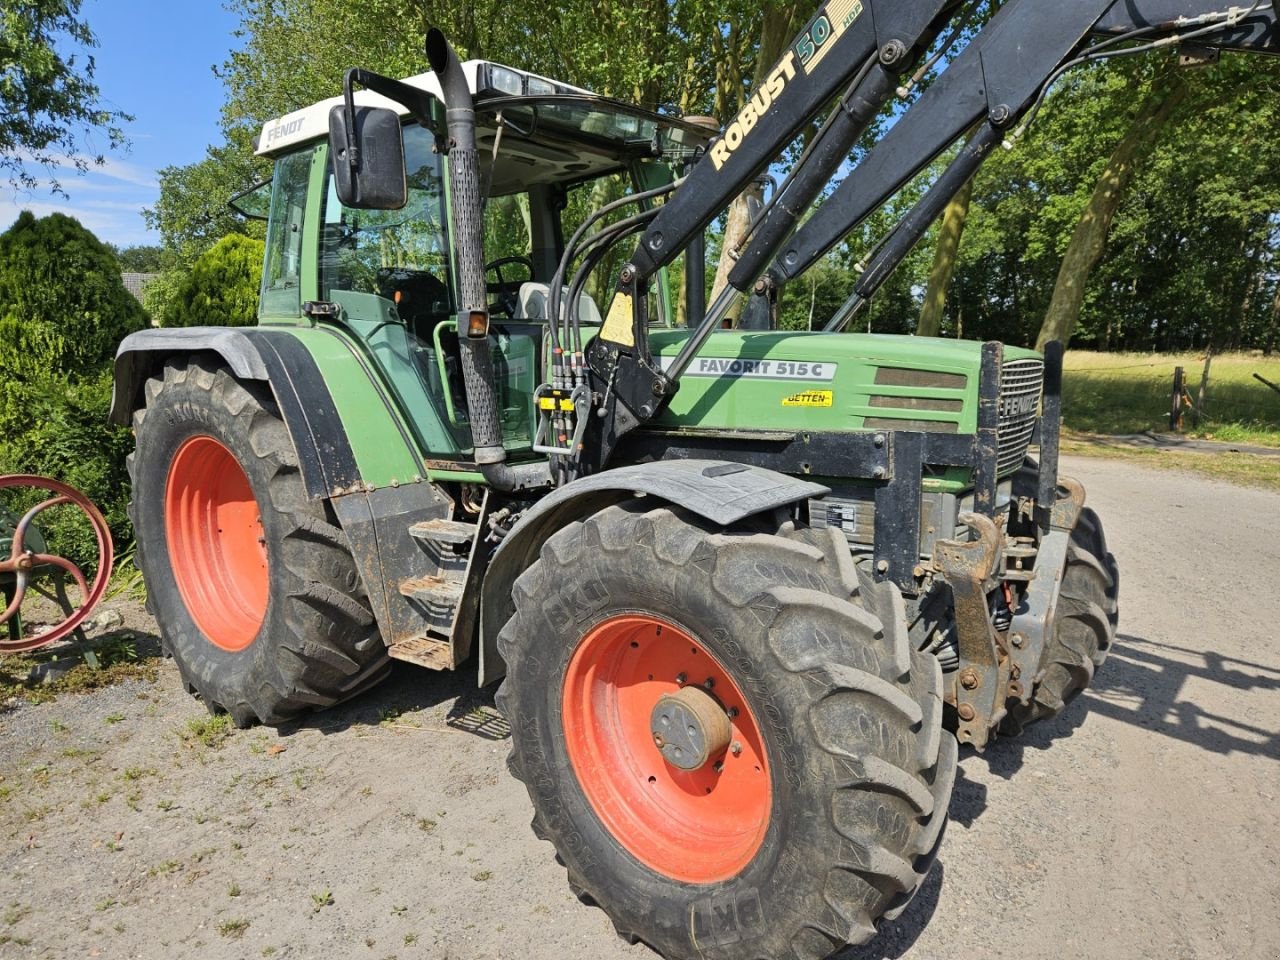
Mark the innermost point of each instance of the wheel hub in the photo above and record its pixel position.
(689, 728)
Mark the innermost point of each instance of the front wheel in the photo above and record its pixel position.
(252, 583)
(729, 740)
(1088, 612)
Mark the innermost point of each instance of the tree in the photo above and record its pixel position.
(1090, 236)
(49, 103)
(63, 312)
(63, 306)
(221, 288)
(945, 253)
(141, 258)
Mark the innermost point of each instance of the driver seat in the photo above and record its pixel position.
(533, 303)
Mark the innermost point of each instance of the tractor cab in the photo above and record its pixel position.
(550, 156)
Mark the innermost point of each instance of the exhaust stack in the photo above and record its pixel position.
(473, 299)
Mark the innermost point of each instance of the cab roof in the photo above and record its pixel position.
(560, 109)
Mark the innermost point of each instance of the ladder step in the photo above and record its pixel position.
(443, 531)
(424, 651)
(432, 591)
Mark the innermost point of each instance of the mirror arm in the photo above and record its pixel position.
(417, 102)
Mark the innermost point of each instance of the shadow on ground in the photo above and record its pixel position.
(408, 690)
(1145, 683)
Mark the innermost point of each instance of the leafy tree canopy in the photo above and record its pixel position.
(49, 103)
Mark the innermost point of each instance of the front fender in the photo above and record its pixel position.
(719, 491)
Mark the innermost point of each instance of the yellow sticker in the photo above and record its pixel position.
(617, 325)
(809, 398)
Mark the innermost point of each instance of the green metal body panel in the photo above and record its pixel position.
(790, 381)
(376, 430)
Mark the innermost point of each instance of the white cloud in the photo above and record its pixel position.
(111, 168)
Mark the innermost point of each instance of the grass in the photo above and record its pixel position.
(14, 684)
(211, 731)
(233, 929)
(1240, 468)
(1116, 393)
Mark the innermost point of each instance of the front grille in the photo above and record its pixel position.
(1020, 384)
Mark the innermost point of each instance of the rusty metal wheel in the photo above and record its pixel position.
(28, 559)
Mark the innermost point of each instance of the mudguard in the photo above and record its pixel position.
(720, 491)
(352, 445)
(322, 386)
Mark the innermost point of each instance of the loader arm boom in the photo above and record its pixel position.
(990, 85)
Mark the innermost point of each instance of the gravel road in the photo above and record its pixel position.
(1144, 822)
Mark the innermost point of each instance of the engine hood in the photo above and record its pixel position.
(744, 380)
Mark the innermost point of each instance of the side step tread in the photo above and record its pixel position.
(424, 651)
(432, 590)
(443, 531)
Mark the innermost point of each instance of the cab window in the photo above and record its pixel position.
(282, 272)
(401, 256)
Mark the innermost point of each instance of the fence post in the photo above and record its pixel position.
(1175, 403)
(1202, 393)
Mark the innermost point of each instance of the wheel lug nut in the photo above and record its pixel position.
(709, 682)
(681, 678)
(733, 712)
(736, 748)
(719, 766)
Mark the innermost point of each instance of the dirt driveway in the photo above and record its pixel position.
(1145, 822)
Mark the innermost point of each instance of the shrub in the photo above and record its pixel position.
(63, 306)
(63, 312)
(221, 288)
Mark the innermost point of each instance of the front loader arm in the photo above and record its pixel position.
(994, 82)
(998, 77)
(822, 59)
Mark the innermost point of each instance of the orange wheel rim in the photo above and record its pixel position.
(213, 528)
(698, 825)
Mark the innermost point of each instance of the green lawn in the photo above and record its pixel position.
(1113, 393)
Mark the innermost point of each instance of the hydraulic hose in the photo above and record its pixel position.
(473, 306)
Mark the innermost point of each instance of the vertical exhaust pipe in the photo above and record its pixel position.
(473, 299)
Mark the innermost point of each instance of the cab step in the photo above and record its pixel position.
(432, 591)
(443, 531)
(429, 652)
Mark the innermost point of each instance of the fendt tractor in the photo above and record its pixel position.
(748, 590)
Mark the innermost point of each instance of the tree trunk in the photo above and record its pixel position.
(1269, 338)
(1090, 236)
(944, 262)
(779, 24)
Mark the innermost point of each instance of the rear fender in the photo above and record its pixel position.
(351, 443)
(719, 491)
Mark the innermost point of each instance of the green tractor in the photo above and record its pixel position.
(747, 590)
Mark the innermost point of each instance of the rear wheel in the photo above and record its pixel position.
(729, 740)
(252, 583)
(1087, 616)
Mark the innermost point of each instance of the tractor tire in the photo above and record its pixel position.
(1088, 614)
(790, 829)
(253, 584)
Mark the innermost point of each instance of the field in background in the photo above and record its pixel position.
(1114, 393)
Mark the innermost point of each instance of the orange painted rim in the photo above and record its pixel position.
(698, 826)
(216, 546)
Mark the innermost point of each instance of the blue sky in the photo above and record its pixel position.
(155, 61)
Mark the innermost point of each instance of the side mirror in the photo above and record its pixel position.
(367, 147)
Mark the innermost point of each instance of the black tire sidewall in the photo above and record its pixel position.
(177, 414)
(731, 918)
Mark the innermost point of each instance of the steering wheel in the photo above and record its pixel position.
(508, 291)
(24, 564)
